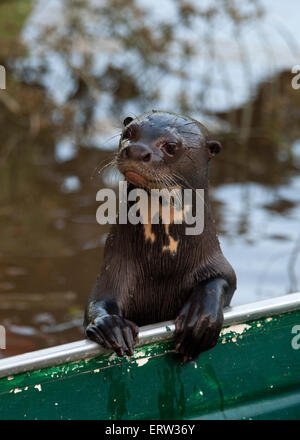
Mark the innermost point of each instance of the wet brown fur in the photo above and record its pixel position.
(141, 279)
(150, 284)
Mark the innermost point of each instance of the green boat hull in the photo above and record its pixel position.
(252, 373)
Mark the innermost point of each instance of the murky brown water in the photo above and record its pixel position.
(74, 71)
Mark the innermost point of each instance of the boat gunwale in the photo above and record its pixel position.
(85, 349)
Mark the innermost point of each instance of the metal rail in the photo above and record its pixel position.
(86, 349)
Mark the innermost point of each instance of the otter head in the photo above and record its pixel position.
(161, 149)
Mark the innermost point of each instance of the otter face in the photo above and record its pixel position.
(162, 150)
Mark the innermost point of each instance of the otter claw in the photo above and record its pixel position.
(114, 332)
(197, 329)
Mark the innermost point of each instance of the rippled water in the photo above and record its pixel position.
(74, 71)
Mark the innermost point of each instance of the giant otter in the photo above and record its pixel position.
(154, 273)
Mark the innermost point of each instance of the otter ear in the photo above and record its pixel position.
(127, 121)
(214, 147)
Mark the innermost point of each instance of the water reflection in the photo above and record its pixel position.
(75, 69)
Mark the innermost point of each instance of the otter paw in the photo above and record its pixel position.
(196, 332)
(114, 332)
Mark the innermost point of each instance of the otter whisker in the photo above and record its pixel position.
(191, 159)
(188, 123)
(190, 132)
(193, 189)
(99, 170)
(113, 136)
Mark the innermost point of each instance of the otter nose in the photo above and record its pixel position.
(136, 152)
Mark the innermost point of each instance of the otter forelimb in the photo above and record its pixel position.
(105, 325)
(199, 322)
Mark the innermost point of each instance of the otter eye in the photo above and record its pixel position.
(129, 132)
(170, 148)
(127, 121)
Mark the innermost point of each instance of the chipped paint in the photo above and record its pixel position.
(143, 361)
(10, 378)
(141, 358)
(38, 387)
(17, 390)
(112, 357)
(140, 354)
(239, 329)
(96, 370)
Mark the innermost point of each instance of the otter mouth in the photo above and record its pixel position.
(141, 178)
(136, 178)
